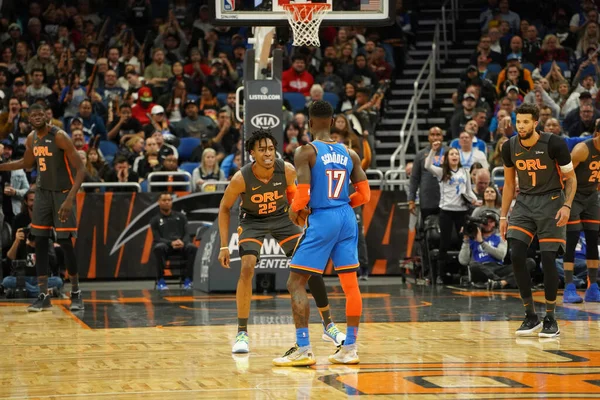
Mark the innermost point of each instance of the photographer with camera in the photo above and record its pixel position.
(22, 257)
(483, 252)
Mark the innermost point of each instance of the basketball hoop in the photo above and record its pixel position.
(305, 19)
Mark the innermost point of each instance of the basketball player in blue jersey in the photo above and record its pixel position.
(324, 170)
(52, 152)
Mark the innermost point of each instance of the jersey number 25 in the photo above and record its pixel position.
(335, 182)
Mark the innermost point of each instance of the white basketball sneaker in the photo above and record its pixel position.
(241, 343)
(345, 355)
(333, 334)
(296, 357)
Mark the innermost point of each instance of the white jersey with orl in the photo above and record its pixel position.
(538, 167)
(54, 171)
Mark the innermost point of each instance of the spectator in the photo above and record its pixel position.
(15, 189)
(209, 105)
(454, 182)
(468, 154)
(362, 69)
(496, 156)
(207, 171)
(114, 62)
(494, 34)
(178, 76)
(110, 91)
(42, 61)
(484, 49)
(23, 218)
(92, 123)
(122, 172)
(590, 37)
(482, 132)
(173, 40)
(297, 79)
(505, 14)
(159, 122)
(37, 89)
(461, 117)
(78, 139)
(9, 120)
(471, 128)
(572, 117)
(141, 110)
(551, 50)
(195, 125)
(133, 148)
(229, 166)
(197, 70)
(228, 135)
(482, 182)
(423, 181)
(380, 67)
(72, 96)
(579, 19)
(158, 73)
(164, 148)
(169, 164)
(553, 126)
(328, 77)
(97, 163)
(169, 231)
(291, 142)
(173, 101)
(125, 127)
(585, 124)
(219, 80)
(149, 161)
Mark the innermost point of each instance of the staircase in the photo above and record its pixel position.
(447, 80)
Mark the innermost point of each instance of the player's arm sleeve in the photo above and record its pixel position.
(506, 157)
(362, 194)
(302, 197)
(290, 191)
(559, 151)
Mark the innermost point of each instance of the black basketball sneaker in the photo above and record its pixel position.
(530, 326)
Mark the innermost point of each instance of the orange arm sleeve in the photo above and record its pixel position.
(362, 194)
(301, 198)
(290, 192)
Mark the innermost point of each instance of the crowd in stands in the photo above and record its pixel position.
(149, 86)
(520, 58)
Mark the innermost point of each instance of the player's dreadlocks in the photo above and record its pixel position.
(257, 136)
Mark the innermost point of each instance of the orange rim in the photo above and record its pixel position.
(303, 12)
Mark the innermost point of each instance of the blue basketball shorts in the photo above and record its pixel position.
(331, 233)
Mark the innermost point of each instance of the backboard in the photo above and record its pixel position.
(270, 12)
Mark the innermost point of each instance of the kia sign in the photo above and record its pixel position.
(265, 121)
(263, 108)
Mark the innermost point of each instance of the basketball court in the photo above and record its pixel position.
(415, 342)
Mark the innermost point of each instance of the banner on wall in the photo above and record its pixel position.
(115, 240)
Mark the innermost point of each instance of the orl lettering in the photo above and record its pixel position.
(41, 151)
(266, 197)
(594, 165)
(265, 121)
(530, 165)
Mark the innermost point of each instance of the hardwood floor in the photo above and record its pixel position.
(424, 344)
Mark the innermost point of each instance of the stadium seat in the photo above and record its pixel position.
(528, 66)
(189, 166)
(547, 65)
(494, 68)
(192, 97)
(144, 185)
(108, 150)
(186, 147)
(332, 99)
(222, 98)
(297, 101)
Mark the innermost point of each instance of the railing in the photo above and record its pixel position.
(379, 181)
(112, 185)
(188, 183)
(396, 175)
(453, 17)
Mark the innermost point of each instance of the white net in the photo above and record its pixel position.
(305, 19)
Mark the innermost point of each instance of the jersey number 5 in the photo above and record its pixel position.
(335, 182)
(42, 163)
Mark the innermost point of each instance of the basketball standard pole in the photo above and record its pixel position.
(263, 98)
